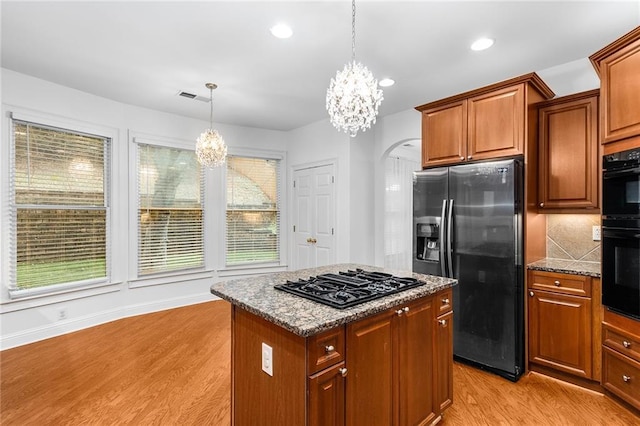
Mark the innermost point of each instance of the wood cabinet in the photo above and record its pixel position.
(402, 359)
(392, 368)
(618, 65)
(486, 123)
(568, 160)
(561, 323)
(621, 357)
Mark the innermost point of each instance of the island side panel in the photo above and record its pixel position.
(258, 398)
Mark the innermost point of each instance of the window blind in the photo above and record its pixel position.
(253, 210)
(170, 210)
(59, 206)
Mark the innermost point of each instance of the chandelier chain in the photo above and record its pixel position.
(353, 30)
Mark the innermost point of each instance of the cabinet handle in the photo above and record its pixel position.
(405, 309)
(469, 157)
(399, 312)
(329, 348)
(541, 204)
(445, 301)
(531, 294)
(343, 371)
(442, 322)
(626, 378)
(557, 283)
(461, 158)
(626, 344)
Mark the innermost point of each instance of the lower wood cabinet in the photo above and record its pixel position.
(393, 368)
(621, 357)
(561, 323)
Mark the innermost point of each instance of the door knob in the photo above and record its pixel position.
(309, 240)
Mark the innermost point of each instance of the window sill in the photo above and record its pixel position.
(25, 299)
(172, 278)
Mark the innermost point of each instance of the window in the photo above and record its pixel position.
(253, 210)
(170, 193)
(59, 207)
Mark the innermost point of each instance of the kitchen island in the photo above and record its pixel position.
(383, 362)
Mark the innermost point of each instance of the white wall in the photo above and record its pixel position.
(27, 320)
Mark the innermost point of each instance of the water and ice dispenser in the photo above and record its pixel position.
(427, 244)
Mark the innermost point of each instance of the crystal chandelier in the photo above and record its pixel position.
(353, 96)
(210, 147)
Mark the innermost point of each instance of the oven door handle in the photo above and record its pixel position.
(620, 233)
(620, 173)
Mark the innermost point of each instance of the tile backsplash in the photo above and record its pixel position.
(569, 236)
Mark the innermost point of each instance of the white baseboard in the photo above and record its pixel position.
(63, 327)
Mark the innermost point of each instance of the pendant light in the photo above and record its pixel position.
(353, 96)
(210, 147)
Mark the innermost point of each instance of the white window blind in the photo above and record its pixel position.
(59, 206)
(253, 210)
(170, 194)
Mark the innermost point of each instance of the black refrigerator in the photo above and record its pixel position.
(467, 224)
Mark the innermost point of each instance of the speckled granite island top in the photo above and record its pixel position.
(576, 267)
(305, 317)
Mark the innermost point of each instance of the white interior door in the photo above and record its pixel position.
(314, 217)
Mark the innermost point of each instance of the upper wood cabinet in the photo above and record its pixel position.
(486, 123)
(568, 160)
(618, 65)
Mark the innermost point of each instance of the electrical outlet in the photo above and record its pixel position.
(62, 314)
(595, 233)
(267, 359)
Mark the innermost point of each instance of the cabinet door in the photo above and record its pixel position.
(620, 91)
(415, 364)
(444, 361)
(326, 397)
(444, 134)
(569, 154)
(370, 389)
(560, 332)
(496, 123)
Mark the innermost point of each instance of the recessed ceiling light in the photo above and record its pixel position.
(281, 31)
(482, 44)
(386, 82)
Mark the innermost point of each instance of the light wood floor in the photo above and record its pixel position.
(172, 368)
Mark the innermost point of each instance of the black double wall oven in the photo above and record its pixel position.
(621, 232)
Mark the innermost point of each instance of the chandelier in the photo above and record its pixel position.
(210, 147)
(353, 96)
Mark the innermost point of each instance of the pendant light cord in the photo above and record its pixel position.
(211, 108)
(353, 30)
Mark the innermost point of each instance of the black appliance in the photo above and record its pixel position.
(467, 224)
(350, 288)
(621, 232)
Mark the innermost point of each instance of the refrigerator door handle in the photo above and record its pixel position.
(443, 268)
(450, 239)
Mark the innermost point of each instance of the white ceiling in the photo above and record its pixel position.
(143, 53)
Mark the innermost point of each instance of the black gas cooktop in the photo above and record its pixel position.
(346, 289)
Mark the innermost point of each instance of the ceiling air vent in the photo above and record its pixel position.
(192, 96)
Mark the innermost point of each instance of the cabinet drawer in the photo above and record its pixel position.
(621, 375)
(444, 301)
(325, 349)
(577, 285)
(620, 341)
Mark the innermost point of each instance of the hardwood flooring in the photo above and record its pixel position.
(172, 368)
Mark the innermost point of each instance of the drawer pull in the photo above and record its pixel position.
(557, 283)
(626, 378)
(399, 312)
(343, 372)
(445, 301)
(626, 344)
(405, 309)
(531, 294)
(329, 348)
(442, 322)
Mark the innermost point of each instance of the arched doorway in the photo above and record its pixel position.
(400, 162)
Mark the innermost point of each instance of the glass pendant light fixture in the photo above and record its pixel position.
(210, 147)
(353, 96)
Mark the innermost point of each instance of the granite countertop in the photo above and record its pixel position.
(576, 267)
(305, 317)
